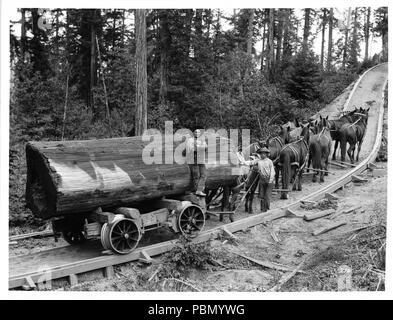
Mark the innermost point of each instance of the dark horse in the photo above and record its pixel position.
(353, 134)
(335, 126)
(293, 158)
(275, 145)
(319, 151)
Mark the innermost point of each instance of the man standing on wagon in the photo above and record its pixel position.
(266, 178)
(195, 155)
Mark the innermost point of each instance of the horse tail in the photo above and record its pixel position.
(316, 153)
(285, 162)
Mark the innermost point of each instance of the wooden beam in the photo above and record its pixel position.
(266, 264)
(331, 196)
(145, 257)
(314, 216)
(109, 272)
(356, 178)
(328, 228)
(73, 279)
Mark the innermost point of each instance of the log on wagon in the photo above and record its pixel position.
(108, 187)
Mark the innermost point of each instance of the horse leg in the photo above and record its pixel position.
(299, 180)
(350, 152)
(309, 162)
(277, 170)
(359, 148)
(294, 179)
(246, 203)
(335, 149)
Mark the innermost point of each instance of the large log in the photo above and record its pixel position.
(68, 177)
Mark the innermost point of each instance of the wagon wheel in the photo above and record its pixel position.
(191, 221)
(121, 236)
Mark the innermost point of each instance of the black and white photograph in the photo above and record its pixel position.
(207, 149)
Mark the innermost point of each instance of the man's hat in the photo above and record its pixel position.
(263, 150)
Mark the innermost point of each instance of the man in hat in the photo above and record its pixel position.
(195, 156)
(267, 173)
(266, 178)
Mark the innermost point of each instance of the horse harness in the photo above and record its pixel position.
(296, 153)
(281, 143)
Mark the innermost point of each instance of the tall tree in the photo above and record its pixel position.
(347, 27)
(324, 20)
(381, 28)
(280, 29)
(270, 45)
(250, 31)
(164, 52)
(23, 33)
(330, 40)
(354, 46)
(367, 32)
(141, 72)
(306, 30)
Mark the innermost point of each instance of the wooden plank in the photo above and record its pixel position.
(340, 165)
(320, 170)
(226, 232)
(328, 228)
(29, 284)
(356, 178)
(288, 277)
(145, 257)
(331, 196)
(266, 264)
(109, 272)
(73, 279)
(45, 233)
(317, 215)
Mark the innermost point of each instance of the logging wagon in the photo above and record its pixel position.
(102, 189)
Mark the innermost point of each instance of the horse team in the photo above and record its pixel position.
(303, 144)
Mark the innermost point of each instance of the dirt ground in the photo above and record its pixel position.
(216, 266)
(362, 250)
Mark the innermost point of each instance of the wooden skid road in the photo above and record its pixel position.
(106, 261)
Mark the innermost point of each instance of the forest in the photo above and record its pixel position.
(101, 73)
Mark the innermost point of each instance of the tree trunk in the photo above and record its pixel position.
(367, 33)
(306, 30)
(385, 39)
(354, 42)
(330, 41)
(164, 48)
(23, 33)
(75, 177)
(270, 45)
(323, 37)
(346, 39)
(263, 52)
(141, 72)
(286, 50)
(279, 37)
(93, 63)
(250, 30)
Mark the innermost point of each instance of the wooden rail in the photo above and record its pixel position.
(105, 262)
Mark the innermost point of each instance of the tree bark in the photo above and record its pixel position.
(306, 30)
(23, 33)
(346, 39)
(75, 177)
(286, 50)
(279, 37)
(93, 63)
(263, 52)
(323, 37)
(270, 45)
(250, 30)
(164, 48)
(141, 72)
(367, 32)
(330, 41)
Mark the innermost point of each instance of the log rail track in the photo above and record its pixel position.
(67, 262)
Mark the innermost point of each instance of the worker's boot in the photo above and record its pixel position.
(263, 206)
